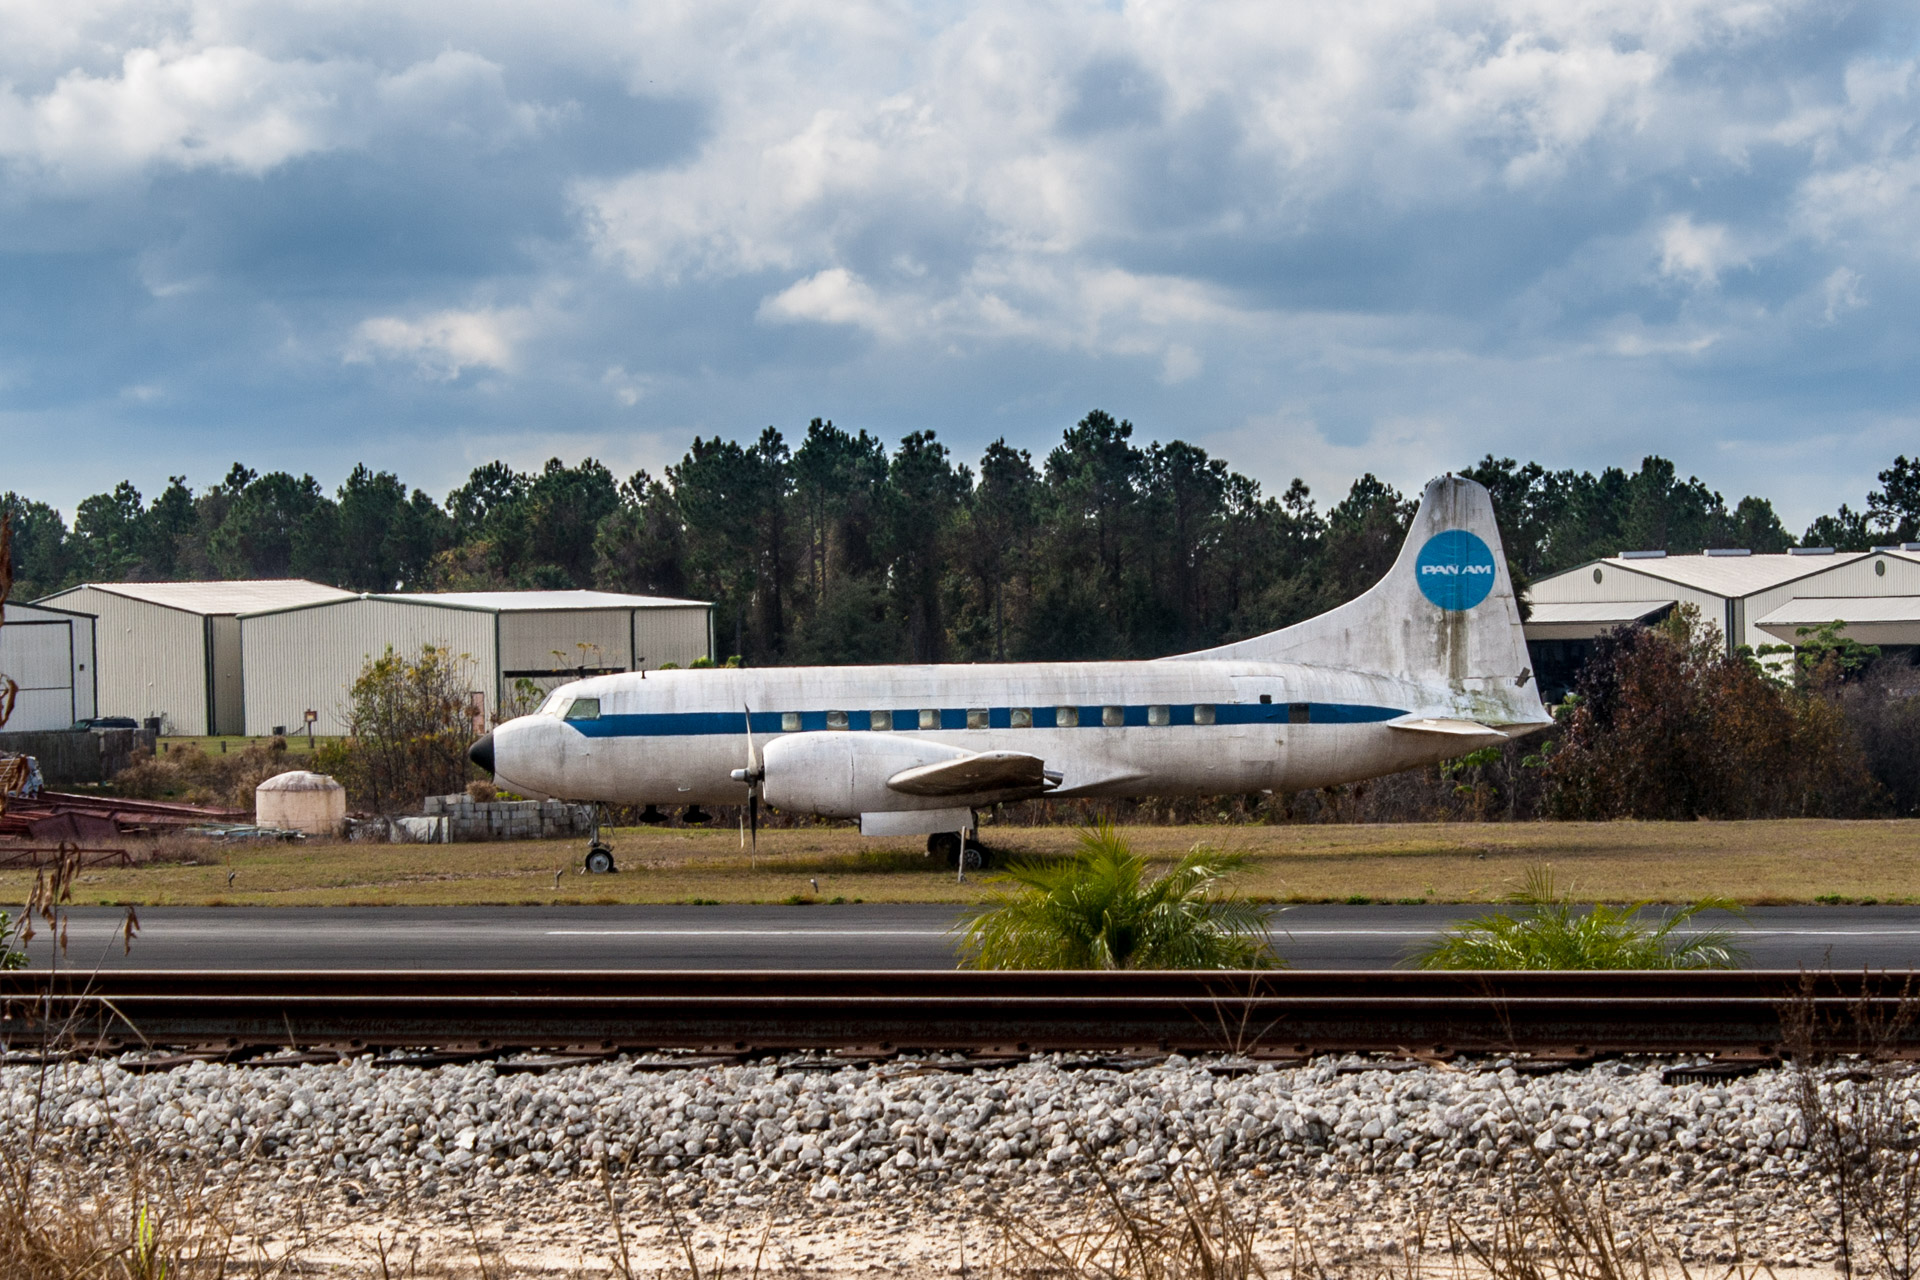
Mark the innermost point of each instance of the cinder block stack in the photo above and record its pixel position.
(470, 819)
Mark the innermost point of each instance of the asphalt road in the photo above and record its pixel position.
(862, 936)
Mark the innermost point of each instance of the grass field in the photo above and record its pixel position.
(1751, 862)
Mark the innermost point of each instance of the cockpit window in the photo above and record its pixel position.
(584, 709)
(555, 704)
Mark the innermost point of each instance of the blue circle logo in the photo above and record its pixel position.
(1455, 569)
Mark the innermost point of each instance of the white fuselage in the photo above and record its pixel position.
(1169, 727)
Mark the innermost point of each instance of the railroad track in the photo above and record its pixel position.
(1274, 1016)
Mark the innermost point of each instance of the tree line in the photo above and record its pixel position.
(840, 549)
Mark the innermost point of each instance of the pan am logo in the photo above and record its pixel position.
(1455, 569)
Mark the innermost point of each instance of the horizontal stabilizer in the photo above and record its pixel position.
(1450, 728)
(980, 772)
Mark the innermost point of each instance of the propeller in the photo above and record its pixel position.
(753, 775)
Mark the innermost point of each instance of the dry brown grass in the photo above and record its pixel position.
(1751, 862)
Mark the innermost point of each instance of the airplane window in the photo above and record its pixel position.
(555, 704)
(584, 709)
(1298, 712)
(1113, 717)
(1203, 713)
(1021, 718)
(929, 717)
(1266, 698)
(1066, 717)
(836, 719)
(1159, 715)
(789, 722)
(977, 717)
(881, 721)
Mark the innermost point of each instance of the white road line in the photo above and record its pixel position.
(1683, 933)
(1292, 933)
(746, 933)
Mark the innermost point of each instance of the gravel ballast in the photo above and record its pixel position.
(1357, 1157)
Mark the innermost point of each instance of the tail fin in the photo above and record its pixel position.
(1445, 615)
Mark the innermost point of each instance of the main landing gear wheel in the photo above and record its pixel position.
(964, 855)
(599, 860)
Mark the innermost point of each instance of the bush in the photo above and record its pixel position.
(1664, 724)
(1883, 711)
(409, 724)
(1099, 910)
(1552, 935)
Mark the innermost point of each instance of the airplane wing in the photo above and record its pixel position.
(981, 772)
(1449, 728)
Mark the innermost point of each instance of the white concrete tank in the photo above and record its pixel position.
(301, 801)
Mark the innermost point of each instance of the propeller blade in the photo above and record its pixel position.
(755, 775)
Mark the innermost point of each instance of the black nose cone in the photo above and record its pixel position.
(481, 752)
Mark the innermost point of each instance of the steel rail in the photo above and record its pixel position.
(1269, 1014)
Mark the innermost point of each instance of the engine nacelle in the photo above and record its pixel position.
(842, 774)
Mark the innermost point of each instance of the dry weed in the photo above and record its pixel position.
(186, 773)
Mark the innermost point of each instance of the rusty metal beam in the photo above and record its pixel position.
(1279, 1014)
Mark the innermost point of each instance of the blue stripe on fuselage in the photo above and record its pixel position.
(688, 724)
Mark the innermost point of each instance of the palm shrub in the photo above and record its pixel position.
(12, 953)
(1099, 909)
(1552, 934)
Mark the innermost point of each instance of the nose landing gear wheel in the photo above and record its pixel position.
(599, 860)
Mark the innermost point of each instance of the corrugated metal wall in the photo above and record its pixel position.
(668, 635)
(308, 658)
(565, 639)
(152, 660)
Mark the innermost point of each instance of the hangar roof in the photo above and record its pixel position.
(1731, 576)
(539, 601)
(1553, 620)
(1869, 619)
(218, 598)
(1817, 611)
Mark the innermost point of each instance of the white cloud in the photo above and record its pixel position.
(219, 107)
(1697, 252)
(1843, 292)
(1323, 212)
(444, 344)
(185, 104)
(628, 388)
(969, 141)
(1180, 363)
(833, 296)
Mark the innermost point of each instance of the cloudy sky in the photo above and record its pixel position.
(1317, 237)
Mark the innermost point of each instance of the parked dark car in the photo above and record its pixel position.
(108, 722)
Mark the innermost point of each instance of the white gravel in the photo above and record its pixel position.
(762, 1135)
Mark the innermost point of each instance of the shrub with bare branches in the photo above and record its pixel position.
(409, 724)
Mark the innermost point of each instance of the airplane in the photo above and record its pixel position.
(1428, 664)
